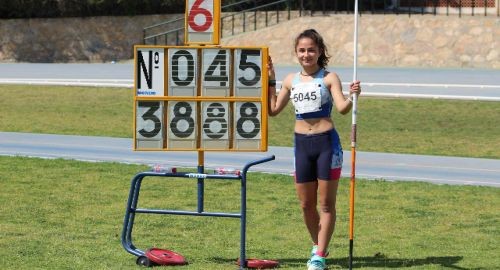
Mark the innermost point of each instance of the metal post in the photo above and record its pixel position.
(255, 14)
(232, 25)
(243, 228)
(201, 183)
(459, 8)
(289, 9)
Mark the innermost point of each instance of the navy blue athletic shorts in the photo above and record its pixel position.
(318, 156)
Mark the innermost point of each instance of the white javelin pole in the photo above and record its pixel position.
(353, 140)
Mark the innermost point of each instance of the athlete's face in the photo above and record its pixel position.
(307, 52)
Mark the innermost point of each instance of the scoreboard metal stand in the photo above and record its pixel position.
(133, 199)
(199, 97)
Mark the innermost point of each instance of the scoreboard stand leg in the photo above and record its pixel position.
(201, 182)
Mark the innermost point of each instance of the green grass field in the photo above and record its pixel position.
(60, 214)
(64, 214)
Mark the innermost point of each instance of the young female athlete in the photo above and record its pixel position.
(318, 152)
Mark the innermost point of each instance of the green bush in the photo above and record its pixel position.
(10, 9)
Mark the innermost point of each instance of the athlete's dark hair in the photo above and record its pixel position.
(318, 39)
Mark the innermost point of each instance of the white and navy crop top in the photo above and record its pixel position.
(311, 99)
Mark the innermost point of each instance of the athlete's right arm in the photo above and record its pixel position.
(278, 102)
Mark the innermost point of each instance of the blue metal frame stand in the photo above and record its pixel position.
(133, 199)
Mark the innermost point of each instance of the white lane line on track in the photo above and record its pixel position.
(438, 166)
(68, 83)
(81, 158)
(65, 80)
(136, 161)
(427, 96)
(441, 85)
(130, 82)
(62, 145)
(427, 179)
(72, 144)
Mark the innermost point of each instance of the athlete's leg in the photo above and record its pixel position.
(307, 193)
(306, 185)
(327, 212)
(328, 184)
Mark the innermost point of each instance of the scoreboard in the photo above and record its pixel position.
(200, 98)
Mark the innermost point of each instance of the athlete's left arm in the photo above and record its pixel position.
(333, 83)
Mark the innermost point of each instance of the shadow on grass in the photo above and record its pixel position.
(377, 261)
(382, 261)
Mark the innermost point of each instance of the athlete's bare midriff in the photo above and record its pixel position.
(313, 125)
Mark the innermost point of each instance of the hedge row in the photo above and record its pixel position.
(10, 9)
(83, 8)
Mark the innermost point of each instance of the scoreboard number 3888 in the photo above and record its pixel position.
(200, 98)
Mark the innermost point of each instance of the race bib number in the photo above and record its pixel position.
(306, 97)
